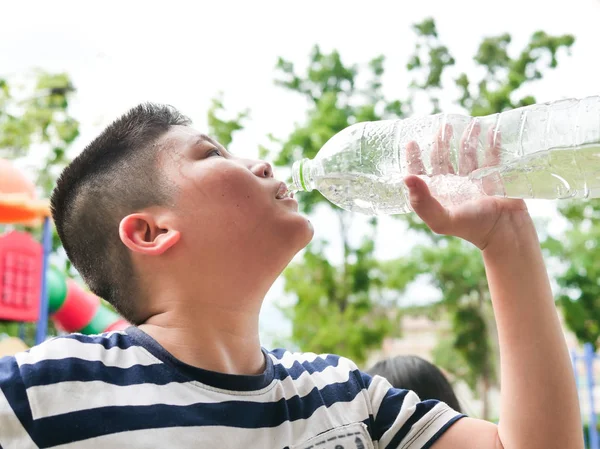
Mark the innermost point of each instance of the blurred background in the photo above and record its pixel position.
(276, 79)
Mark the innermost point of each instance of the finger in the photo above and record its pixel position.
(440, 154)
(494, 145)
(414, 160)
(436, 216)
(467, 158)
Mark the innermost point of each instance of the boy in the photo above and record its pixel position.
(185, 240)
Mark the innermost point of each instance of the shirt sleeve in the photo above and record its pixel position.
(402, 420)
(15, 413)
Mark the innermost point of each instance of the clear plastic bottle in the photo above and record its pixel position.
(546, 151)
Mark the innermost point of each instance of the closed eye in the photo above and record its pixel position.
(214, 152)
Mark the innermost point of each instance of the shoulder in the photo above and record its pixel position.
(76, 357)
(309, 360)
(42, 387)
(328, 368)
(84, 347)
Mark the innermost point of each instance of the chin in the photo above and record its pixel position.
(305, 231)
(310, 232)
(295, 232)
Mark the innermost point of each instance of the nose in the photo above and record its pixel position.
(262, 169)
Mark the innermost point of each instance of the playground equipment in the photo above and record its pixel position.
(76, 310)
(584, 370)
(30, 289)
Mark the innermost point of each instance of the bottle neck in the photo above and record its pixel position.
(302, 175)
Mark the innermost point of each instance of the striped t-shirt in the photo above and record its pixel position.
(122, 389)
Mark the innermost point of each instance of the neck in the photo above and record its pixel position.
(217, 334)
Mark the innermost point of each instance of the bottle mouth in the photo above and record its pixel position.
(298, 176)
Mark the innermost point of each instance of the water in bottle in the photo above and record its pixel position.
(546, 151)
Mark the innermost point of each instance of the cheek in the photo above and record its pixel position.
(226, 191)
(239, 191)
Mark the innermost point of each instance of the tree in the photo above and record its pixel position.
(579, 280)
(223, 129)
(343, 308)
(38, 118)
(36, 127)
(324, 290)
(455, 267)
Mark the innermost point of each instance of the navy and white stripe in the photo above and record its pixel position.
(124, 389)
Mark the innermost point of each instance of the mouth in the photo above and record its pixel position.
(283, 192)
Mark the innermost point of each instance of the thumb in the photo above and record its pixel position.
(436, 216)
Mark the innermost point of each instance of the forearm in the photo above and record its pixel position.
(539, 405)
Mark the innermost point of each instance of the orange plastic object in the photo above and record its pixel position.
(20, 277)
(13, 181)
(17, 197)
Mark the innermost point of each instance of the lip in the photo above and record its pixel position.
(283, 193)
(289, 198)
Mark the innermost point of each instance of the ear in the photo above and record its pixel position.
(144, 234)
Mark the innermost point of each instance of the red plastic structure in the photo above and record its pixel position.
(118, 325)
(78, 309)
(20, 277)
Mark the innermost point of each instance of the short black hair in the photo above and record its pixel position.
(115, 175)
(411, 372)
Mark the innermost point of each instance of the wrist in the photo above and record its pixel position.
(513, 232)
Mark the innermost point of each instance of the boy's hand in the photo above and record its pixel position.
(481, 221)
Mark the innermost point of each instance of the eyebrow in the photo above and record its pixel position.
(205, 138)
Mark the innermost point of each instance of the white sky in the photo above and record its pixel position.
(120, 53)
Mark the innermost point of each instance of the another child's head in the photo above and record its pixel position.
(410, 372)
(152, 206)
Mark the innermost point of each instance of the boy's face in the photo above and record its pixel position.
(227, 208)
